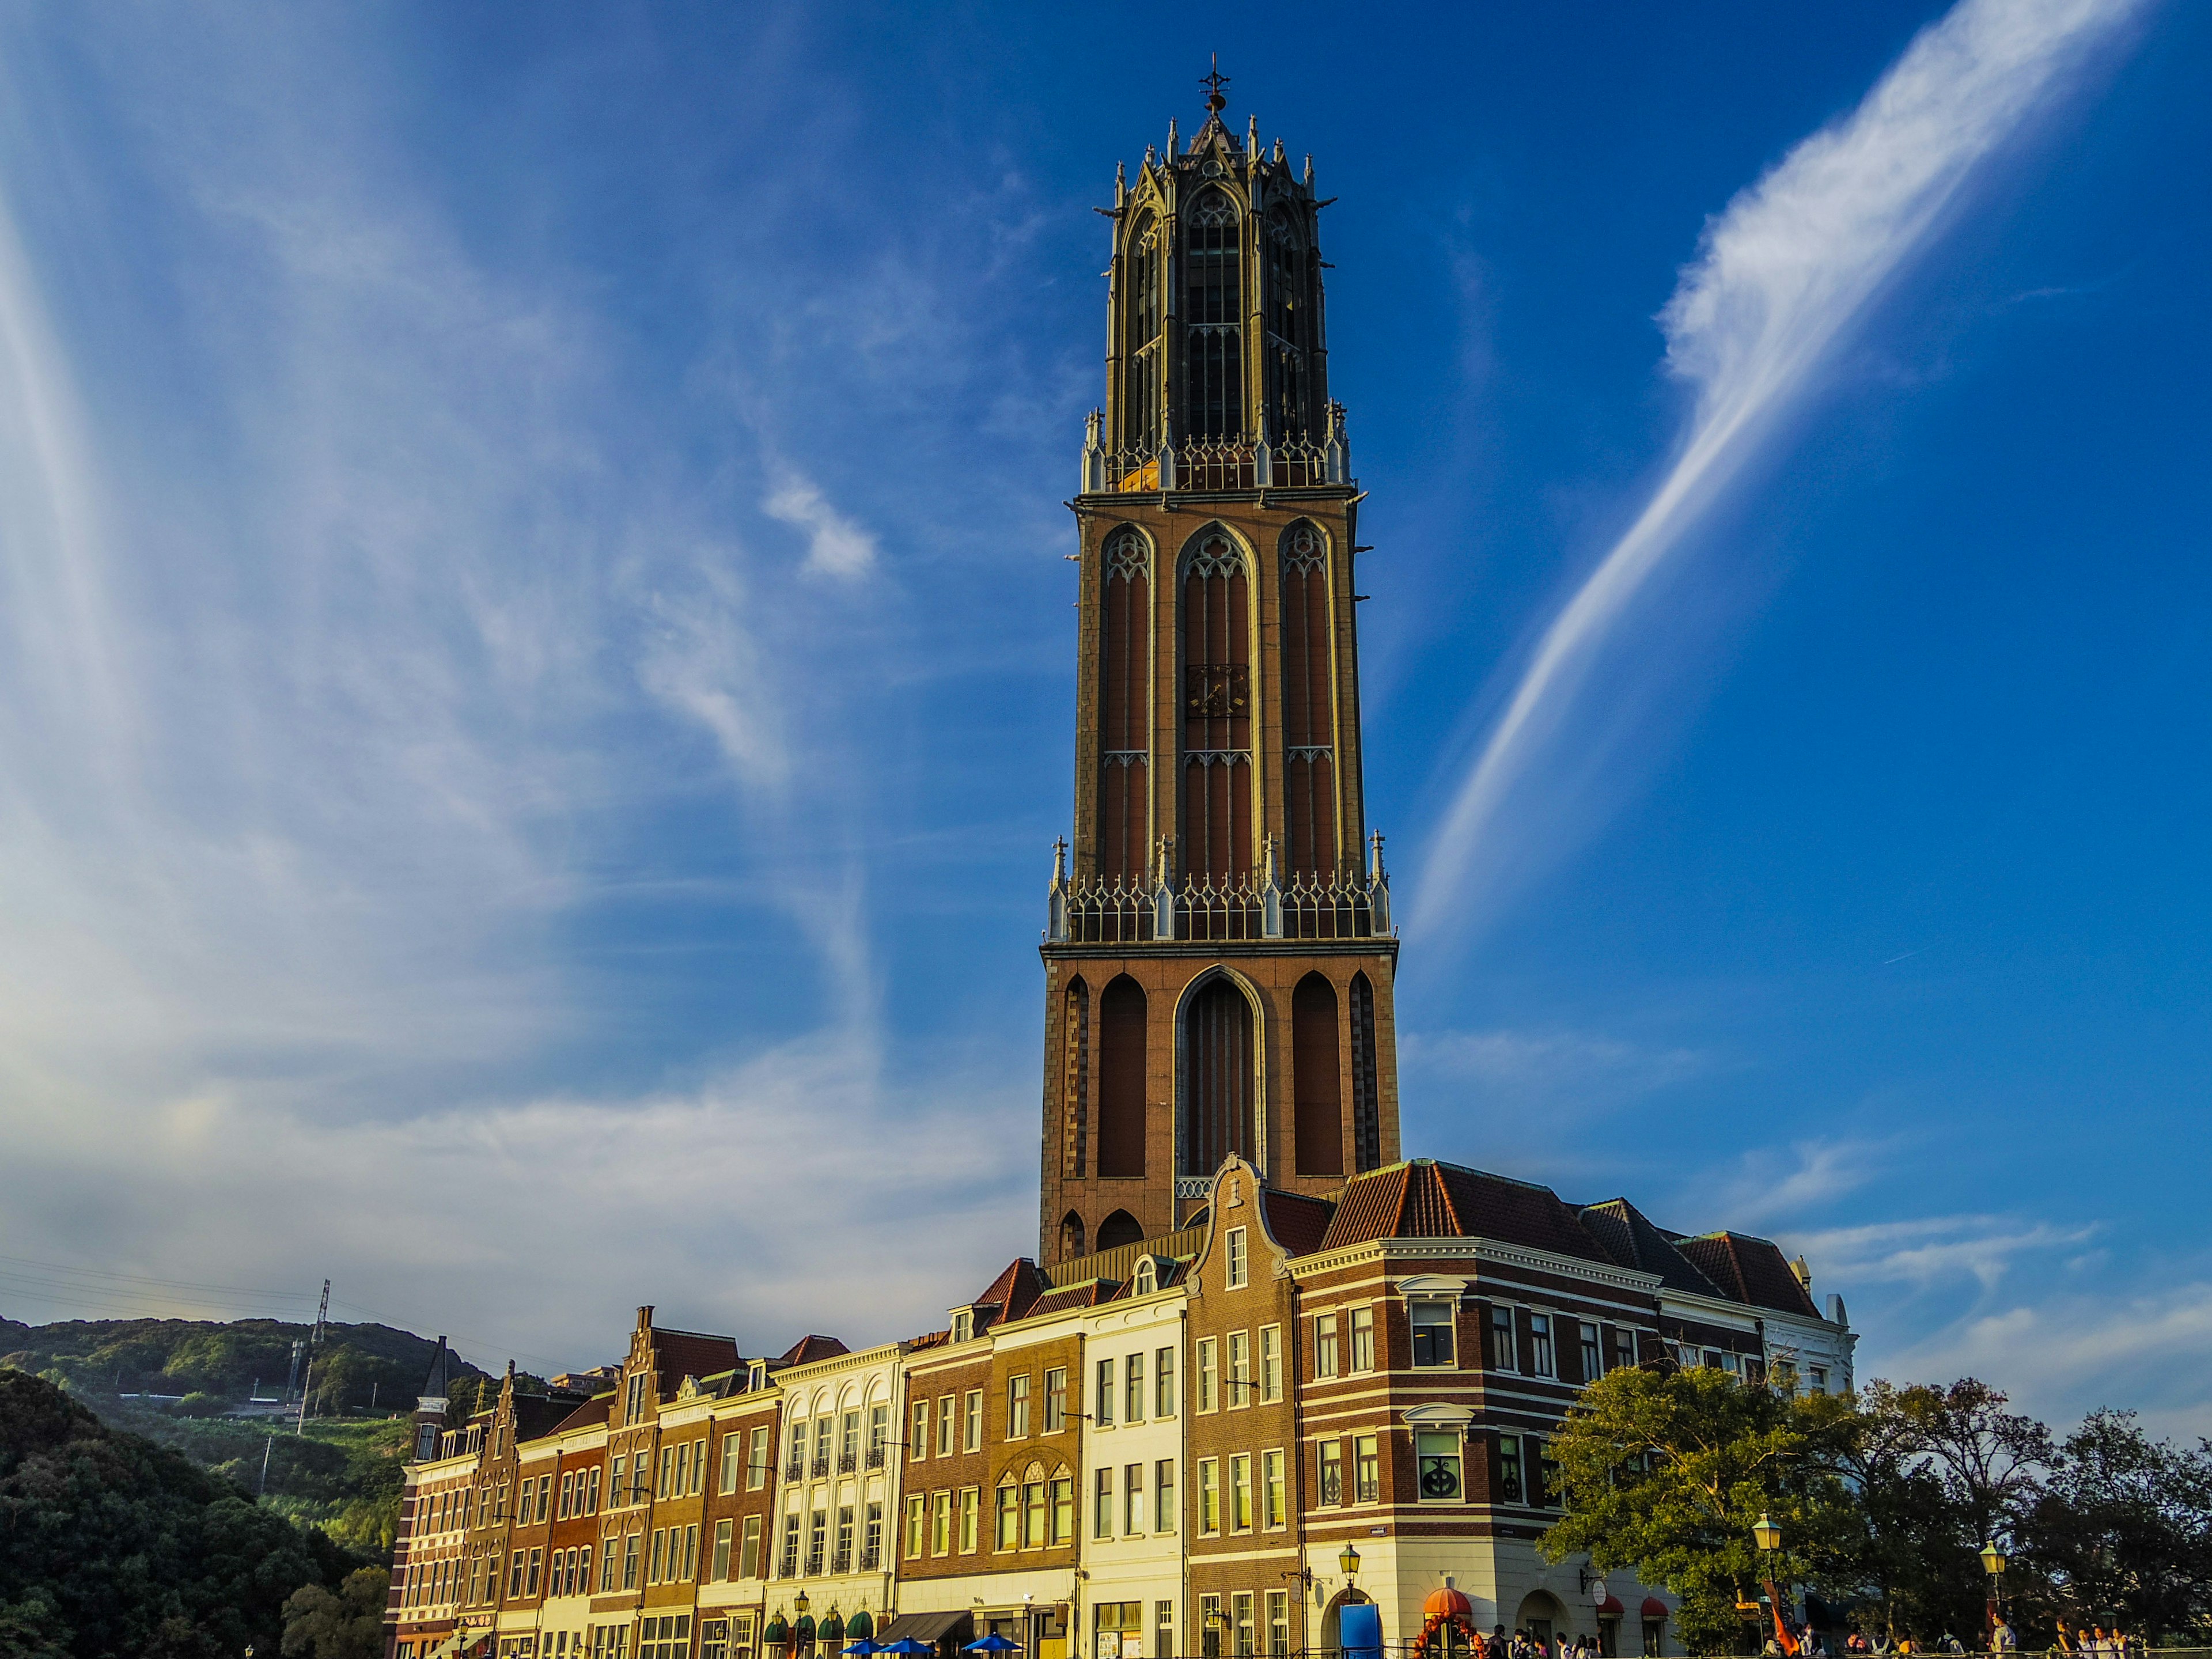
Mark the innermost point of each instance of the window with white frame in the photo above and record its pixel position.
(1236, 1268)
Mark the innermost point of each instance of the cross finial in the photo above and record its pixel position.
(1213, 82)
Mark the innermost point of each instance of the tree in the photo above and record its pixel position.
(1666, 1470)
(117, 1546)
(2124, 1533)
(347, 1623)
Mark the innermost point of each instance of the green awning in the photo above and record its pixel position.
(832, 1627)
(778, 1634)
(860, 1627)
(803, 1631)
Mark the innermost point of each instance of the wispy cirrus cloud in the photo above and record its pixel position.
(1783, 275)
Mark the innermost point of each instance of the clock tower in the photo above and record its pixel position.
(1220, 957)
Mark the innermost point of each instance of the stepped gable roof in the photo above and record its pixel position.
(1299, 1223)
(443, 1370)
(1120, 1263)
(1015, 1291)
(1424, 1199)
(1750, 1270)
(1632, 1241)
(808, 1349)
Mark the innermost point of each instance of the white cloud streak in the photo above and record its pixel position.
(1780, 277)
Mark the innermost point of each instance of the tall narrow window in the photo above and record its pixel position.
(1213, 358)
(1318, 1114)
(1366, 1108)
(1219, 1078)
(1140, 273)
(1075, 1081)
(1309, 706)
(1288, 328)
(1217, 729)
(1121, 1090)
(1125, 724)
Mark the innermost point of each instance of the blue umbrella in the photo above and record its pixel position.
(862, 1647)
(906, 1644)
(993, 1643)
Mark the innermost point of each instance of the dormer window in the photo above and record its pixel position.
(756, 1376)
(963, 1324)
(1147, 1278)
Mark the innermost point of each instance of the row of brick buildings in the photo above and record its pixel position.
(1161, 1448)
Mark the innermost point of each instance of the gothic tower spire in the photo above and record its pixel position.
(1220, 957)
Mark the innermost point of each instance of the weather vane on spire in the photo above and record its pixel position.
(1215, 103)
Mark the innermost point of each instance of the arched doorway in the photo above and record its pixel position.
(1542, 1616)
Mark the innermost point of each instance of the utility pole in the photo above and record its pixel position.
(315, 1341)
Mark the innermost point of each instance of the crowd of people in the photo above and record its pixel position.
(1802, 1642)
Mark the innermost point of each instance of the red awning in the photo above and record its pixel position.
(1655, 1608)
(1610, 1607)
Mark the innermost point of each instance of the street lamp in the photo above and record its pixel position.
(1766, 1534)
(800, 1603)
(1349, 1561)
(1993, 1563)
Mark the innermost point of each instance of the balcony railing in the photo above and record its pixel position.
(1218, 465)
(1125, 910)
(795, 1469)
(847, 1461)
(821, 1468)
(871, 1558)
(875, 1457)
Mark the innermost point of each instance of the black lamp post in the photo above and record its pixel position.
(1993, 1564)
(1768, 1537)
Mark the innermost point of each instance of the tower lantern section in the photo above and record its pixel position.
(1219, 956)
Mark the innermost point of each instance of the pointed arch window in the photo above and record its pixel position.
(1125, 699)
(1366, 1106)
(1075, 1081)
(1220, 1075)
(1289, 328)
(1216, 841)
(1214, 356)
(1317, 1115)
(1141, 268)
(1309, 706)
(1122, 1016)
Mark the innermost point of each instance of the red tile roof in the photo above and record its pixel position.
(1089, 1294)
(1750, 1270)
(592, 1411)
(1014, 1290)
(1632, 1241)
(1299, 1223)
(1427, 1200)
(808, 1349)
(679, 1354)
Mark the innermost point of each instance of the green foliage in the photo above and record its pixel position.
(1666, 1470)
(344, 1625)
(2123, 1533)
(118, 1545)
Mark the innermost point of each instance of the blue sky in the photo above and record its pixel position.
(538, 685)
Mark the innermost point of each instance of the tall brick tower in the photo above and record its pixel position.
(1219, 956)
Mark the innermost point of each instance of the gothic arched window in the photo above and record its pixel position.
(1075, 1078)
(1219, 1078)
(1289, 328)
(1213, 357)
(1070, 1235)
(1122, 1016)
(1217, 726)
(1366, 1107)
(1119, 1228)
(1141, 376)
(1308, 705)
(1125, 699)
(1318, 1118)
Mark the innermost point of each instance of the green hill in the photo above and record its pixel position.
(341, 1476)
(115, 1545)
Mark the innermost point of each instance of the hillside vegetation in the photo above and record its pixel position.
(341, 1476)
(118, 1545)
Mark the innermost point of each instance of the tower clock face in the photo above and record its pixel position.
(1438, 1478)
